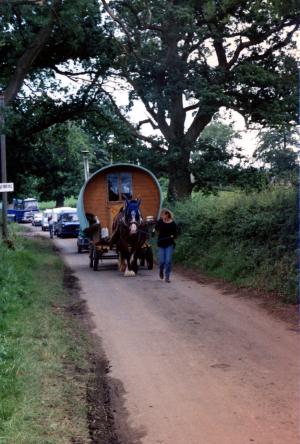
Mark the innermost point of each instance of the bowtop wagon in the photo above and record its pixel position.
(119, 199)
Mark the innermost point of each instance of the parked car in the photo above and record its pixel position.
(45, 222)
(37, 219)
(55, 212)
(67, 224)
(83, 242)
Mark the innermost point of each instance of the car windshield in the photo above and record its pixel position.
(70, 218)
(30, 205)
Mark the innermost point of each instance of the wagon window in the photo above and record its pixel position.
(119, 186)
(126, 185)
(113, 187)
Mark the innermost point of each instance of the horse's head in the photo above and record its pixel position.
(133, 216)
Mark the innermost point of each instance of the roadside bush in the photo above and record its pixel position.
(250, 240)
(69, 202)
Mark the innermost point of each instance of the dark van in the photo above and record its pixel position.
(67, 224)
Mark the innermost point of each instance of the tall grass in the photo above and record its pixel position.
(40, 400)
(250, 240)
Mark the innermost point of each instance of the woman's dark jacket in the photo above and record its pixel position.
(167, 233)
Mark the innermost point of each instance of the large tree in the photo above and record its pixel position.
(184, 59)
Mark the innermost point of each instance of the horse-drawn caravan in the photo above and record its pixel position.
(117, 208)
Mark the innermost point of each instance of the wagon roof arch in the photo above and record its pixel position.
(104, 170)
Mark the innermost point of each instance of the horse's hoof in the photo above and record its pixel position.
(129, 273)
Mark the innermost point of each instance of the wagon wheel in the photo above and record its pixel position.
(149, 258)
(91, 256)
(95, 259)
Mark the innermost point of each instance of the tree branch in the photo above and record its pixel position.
(72, 75)
(221, 53)
(117, 20)
(29, 56)
(277, 46)
(191, 107)
(199, 123)
(256, 40)
(130, 126)
(144, 122)
(57, 114)
(22, 2)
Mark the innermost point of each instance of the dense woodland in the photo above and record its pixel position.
(63, 62)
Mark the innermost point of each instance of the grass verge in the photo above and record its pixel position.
(44, 371)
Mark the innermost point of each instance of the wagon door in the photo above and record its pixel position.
(119, 186)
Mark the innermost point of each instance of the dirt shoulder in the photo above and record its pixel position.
(270, 302)
(99, 416)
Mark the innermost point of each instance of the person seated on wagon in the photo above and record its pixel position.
(94, 225)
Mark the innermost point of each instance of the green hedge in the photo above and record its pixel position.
(250, 240)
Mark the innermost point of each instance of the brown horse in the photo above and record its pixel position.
(129, 235)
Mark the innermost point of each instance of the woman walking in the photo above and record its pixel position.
(167, 232)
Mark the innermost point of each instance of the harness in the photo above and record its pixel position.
(131, 215)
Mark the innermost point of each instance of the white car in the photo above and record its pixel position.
(37, 219)
(45, 223)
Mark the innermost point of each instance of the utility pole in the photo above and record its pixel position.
(3, 169)
(298, 131)
(85, 155)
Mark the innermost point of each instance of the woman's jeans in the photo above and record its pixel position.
(165, 259)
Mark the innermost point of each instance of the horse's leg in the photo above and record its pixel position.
(121, 259)
(129, 270)
(133, 261)
(124, 252)
(137, 249)
(122, 264)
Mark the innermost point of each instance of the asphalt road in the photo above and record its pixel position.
(190, 364)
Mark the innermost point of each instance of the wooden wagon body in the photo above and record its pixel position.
(103, 196)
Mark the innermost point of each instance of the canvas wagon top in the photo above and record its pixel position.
(104, 193)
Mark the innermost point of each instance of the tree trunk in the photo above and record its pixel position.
(180, 185)
(59, 201)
